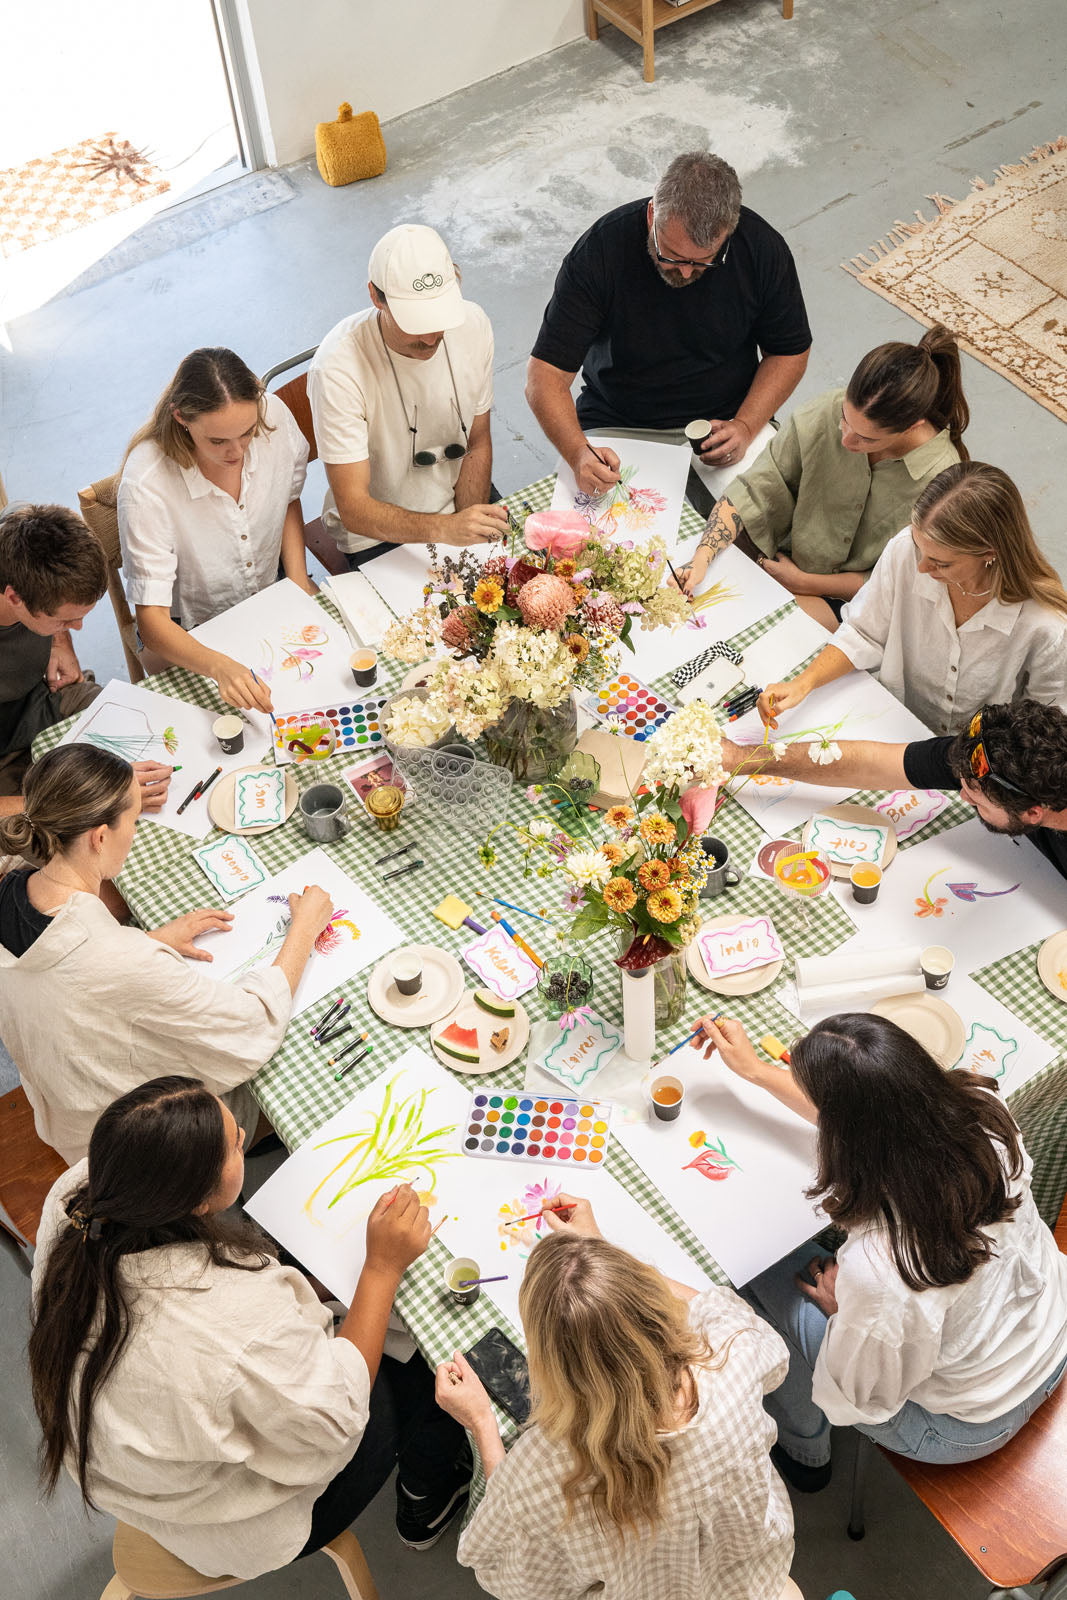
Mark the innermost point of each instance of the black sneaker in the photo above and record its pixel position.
(421, 1519)
(808, 1480)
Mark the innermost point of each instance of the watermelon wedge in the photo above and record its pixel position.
(461, 1043)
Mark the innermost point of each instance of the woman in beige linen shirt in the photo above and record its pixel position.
(644, 1473)
(839, 479)
(191, 1384)
(89, 1008)
(962, 610)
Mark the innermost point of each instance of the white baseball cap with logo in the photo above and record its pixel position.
(413, 269)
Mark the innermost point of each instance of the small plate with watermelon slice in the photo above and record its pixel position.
(482, 1033)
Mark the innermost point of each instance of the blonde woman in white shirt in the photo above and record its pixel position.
(644, 1473)
(961, 610)
(193, 1386)
(942, 1325)
(208, 505)
(89, 1008)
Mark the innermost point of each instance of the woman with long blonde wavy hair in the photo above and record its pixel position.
(644, 1472)
(962, 610)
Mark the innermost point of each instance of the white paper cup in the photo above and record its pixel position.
(937, 962)
(462, 1267)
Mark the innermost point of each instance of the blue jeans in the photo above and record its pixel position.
(803, 1430)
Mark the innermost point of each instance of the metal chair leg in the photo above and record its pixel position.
(1056, 1587)
(861, 1462)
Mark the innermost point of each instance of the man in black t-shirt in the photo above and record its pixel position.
(683, 306)
(1010, 765)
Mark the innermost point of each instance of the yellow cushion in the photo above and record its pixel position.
(350, 148)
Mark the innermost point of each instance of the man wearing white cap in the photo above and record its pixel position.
(400, 397)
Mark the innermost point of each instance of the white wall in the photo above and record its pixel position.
(388, 56)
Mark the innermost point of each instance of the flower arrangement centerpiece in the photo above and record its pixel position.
(519, 632)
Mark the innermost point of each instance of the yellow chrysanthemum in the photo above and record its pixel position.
(619, 817)
(679, 868)
(658, 830)
(665, 905)
(578, 646)
(488, 595)
(653, 874)
(619, 895)
(614, 852)
(566, 567)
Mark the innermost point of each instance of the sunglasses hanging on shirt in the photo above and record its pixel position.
(450, 452)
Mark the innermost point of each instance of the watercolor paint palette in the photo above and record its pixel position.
(354, 727)
(636, 709)
(525, 1126)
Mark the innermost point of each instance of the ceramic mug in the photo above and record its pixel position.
(323, 811)
(720, 873)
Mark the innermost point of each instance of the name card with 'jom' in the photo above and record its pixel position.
(848, 842)
(231, 865)
(749, 944)
(507, 970)
(911, 809)
(259, 799)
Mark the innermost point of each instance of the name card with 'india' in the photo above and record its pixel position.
(743, 947)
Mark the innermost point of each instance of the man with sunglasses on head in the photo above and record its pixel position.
(1010, 764)
(730, 347)
(400, 397)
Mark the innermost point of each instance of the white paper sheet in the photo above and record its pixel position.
(361, 607)
(399, 576)
(140, 725)
(960, 876)
(360, 933)
(647, 500)
(743, 595)
(747, 1205)
(294, 646)
(302, 1204)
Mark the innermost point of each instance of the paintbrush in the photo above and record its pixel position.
(537, 915)
(468, 1283)
(690, 1036)
(531, 1215)
(437, 1225)
(517, 938)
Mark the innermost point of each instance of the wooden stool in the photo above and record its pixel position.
(28, 1169)
(1006, 1511)
(145, 1571)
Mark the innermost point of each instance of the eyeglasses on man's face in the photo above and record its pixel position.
(684, 261)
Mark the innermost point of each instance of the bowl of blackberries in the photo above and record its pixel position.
(565, 983)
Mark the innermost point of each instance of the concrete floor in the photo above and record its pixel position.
(839, 122)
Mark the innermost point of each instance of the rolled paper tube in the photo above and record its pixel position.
(824, 999)
(858, 965)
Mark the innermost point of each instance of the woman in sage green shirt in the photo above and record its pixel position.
(820, 504)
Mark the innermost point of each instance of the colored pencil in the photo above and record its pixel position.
(507, 903)
(342, 1008)
(204, 787)
(328, 1013)
(468, 1283)
(333, 1033)
(190, 797)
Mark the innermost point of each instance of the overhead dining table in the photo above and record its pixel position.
(298, 1091)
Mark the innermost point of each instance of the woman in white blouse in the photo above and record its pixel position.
(942, 1325)
(961, 610)
(208, 505)
(89, 1008)
(644, 1473)
(193, 1386)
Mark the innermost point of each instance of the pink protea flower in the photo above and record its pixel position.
(558, 533)
(545, 601)
(458, 628)
(601, 611)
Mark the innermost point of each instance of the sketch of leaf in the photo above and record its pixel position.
(389, 1147)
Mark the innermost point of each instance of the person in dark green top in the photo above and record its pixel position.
(818, 507)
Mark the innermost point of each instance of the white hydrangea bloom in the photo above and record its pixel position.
(686, 750)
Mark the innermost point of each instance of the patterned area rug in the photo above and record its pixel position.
(993, 268)
(70, 188)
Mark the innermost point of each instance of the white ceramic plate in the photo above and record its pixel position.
(737, 983)
(846, 813)
(1052, 962)
(220, 800)
(442, 986)
(470, 1015)
(930, 1020)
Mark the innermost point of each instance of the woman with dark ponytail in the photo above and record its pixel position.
(821, 503)
(191, 1384)
(89, 1008)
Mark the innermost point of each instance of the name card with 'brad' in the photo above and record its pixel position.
(507, 970)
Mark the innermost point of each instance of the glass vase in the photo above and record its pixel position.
(565, 983)
(531, 742)
(669, 978)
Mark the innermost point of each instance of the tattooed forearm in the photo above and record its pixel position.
(723, 526)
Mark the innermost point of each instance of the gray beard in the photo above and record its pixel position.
(670, 275)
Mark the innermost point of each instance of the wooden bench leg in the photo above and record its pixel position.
(648, 37)
(592, 21)
(787, 9)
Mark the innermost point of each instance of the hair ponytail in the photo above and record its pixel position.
(206, 380)
(69, 791)
(898, 385)
(155, 1155)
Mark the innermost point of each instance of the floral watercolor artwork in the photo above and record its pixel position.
(125, 731)
(330, 940)
(521, 1235)
(626, 507)
(297, 652)
(927, 906)
(712, 1161)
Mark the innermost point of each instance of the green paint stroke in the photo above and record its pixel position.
(391, 1144)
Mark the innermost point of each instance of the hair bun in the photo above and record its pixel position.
(18, 834)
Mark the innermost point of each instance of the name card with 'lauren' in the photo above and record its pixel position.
(259, 798)
(231, 865)
(848, 841)
(749, 944)
(507, 970)
(911, 809)
(577, 1054)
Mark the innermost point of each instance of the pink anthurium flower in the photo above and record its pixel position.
(698, 808)
(557, 533)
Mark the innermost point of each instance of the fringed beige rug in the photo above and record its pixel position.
(993, 268)
(70, 188)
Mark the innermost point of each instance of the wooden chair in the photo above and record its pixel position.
(640, 20)
(28, 1169)
(99, 508)
(295, 395)
(1008, 1511)
(145, 1571)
